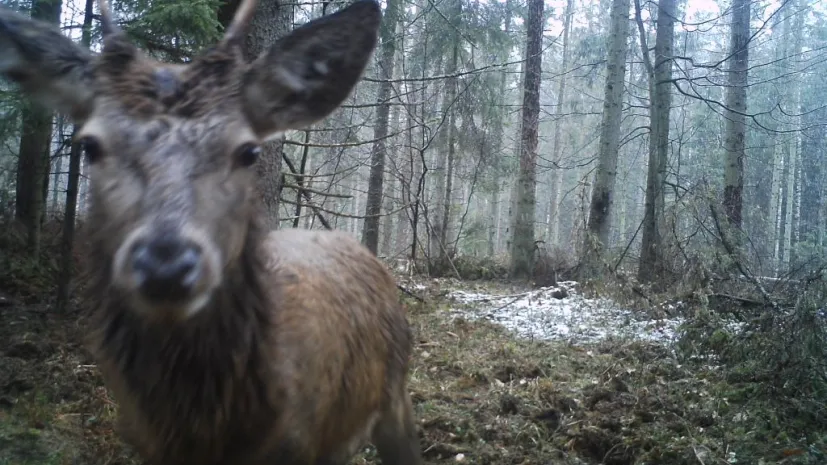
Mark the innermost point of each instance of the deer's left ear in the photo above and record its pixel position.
(46, 64)
(306, 75)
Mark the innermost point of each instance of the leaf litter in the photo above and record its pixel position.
(586, 382)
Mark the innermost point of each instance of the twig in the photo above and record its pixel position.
(497, 297)
(506, 305)
(410, 293)
(317, 192)
(745, 300)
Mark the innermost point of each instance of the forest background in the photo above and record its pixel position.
(654, 151)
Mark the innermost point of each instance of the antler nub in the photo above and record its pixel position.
(238, 27)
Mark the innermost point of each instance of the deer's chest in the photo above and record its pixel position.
(190, 402)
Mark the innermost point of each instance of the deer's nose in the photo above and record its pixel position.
(166, 267)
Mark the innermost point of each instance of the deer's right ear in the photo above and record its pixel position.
(306, 75)
(47, 65)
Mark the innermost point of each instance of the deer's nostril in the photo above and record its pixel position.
(166, 268)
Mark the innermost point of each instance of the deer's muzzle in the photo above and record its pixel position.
(166, 268)
(169, 272)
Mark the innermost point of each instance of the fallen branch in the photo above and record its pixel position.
(745, 300)
(730, 250)
(410, 293)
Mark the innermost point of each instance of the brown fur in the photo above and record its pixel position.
(253, 385)
(300, 353)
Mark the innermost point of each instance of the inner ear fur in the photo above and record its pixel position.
(47, 65)
(307, 74)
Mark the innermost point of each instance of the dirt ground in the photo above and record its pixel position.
(482, 396)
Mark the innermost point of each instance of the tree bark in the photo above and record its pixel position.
(373, 206)
(442, 165)
(735, 119)
(786, 163)
(660, 94)
(271, 21)
(55, 187)
(494, 202)
(556, 155)
(813, 146)
(407, 188)
(522, 243)
(299, 180)
(450, 165)
(69, 216)
(597, 234)
(35, 145)
(793, 184)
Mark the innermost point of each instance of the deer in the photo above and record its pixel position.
(220, 341)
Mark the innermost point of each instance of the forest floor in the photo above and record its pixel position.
(500, 375)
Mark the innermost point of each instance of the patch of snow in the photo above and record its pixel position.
(561, 313)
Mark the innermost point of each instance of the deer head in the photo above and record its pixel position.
(170, 147)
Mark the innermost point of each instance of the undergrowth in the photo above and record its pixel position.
(748, 394)
(23, 274)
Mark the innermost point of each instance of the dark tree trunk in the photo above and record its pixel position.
(736, 99)
(602, 200)
(659, 106)
(813, 146)
(437, 256)
(36, 135)
(522, 246)
(271, 21)
(300, 179)
(75, 156)
(785, 195)
(373, 205)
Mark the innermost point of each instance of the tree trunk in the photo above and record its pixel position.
(786, 160)
(386, 226)
(75, 157)
(35, 145)
(299, 180)
(784, 204)
(407, 187)
(493, 214)
(373, 206)
(659, 105)
(522, 243)
(597, 235)
(391, 203)
(813, 145)
(795, 201)
(442, 168)
(418, 154)
(270, 22)
(498, 132)
(793, 184)
(447, 202)
(735, 119)
(395, 233)
(556, 155)
(776, 215)
(56, 182)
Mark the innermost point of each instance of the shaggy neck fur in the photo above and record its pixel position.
(197, 384)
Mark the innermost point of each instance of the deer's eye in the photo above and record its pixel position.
(91, 148)
(247, 154)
